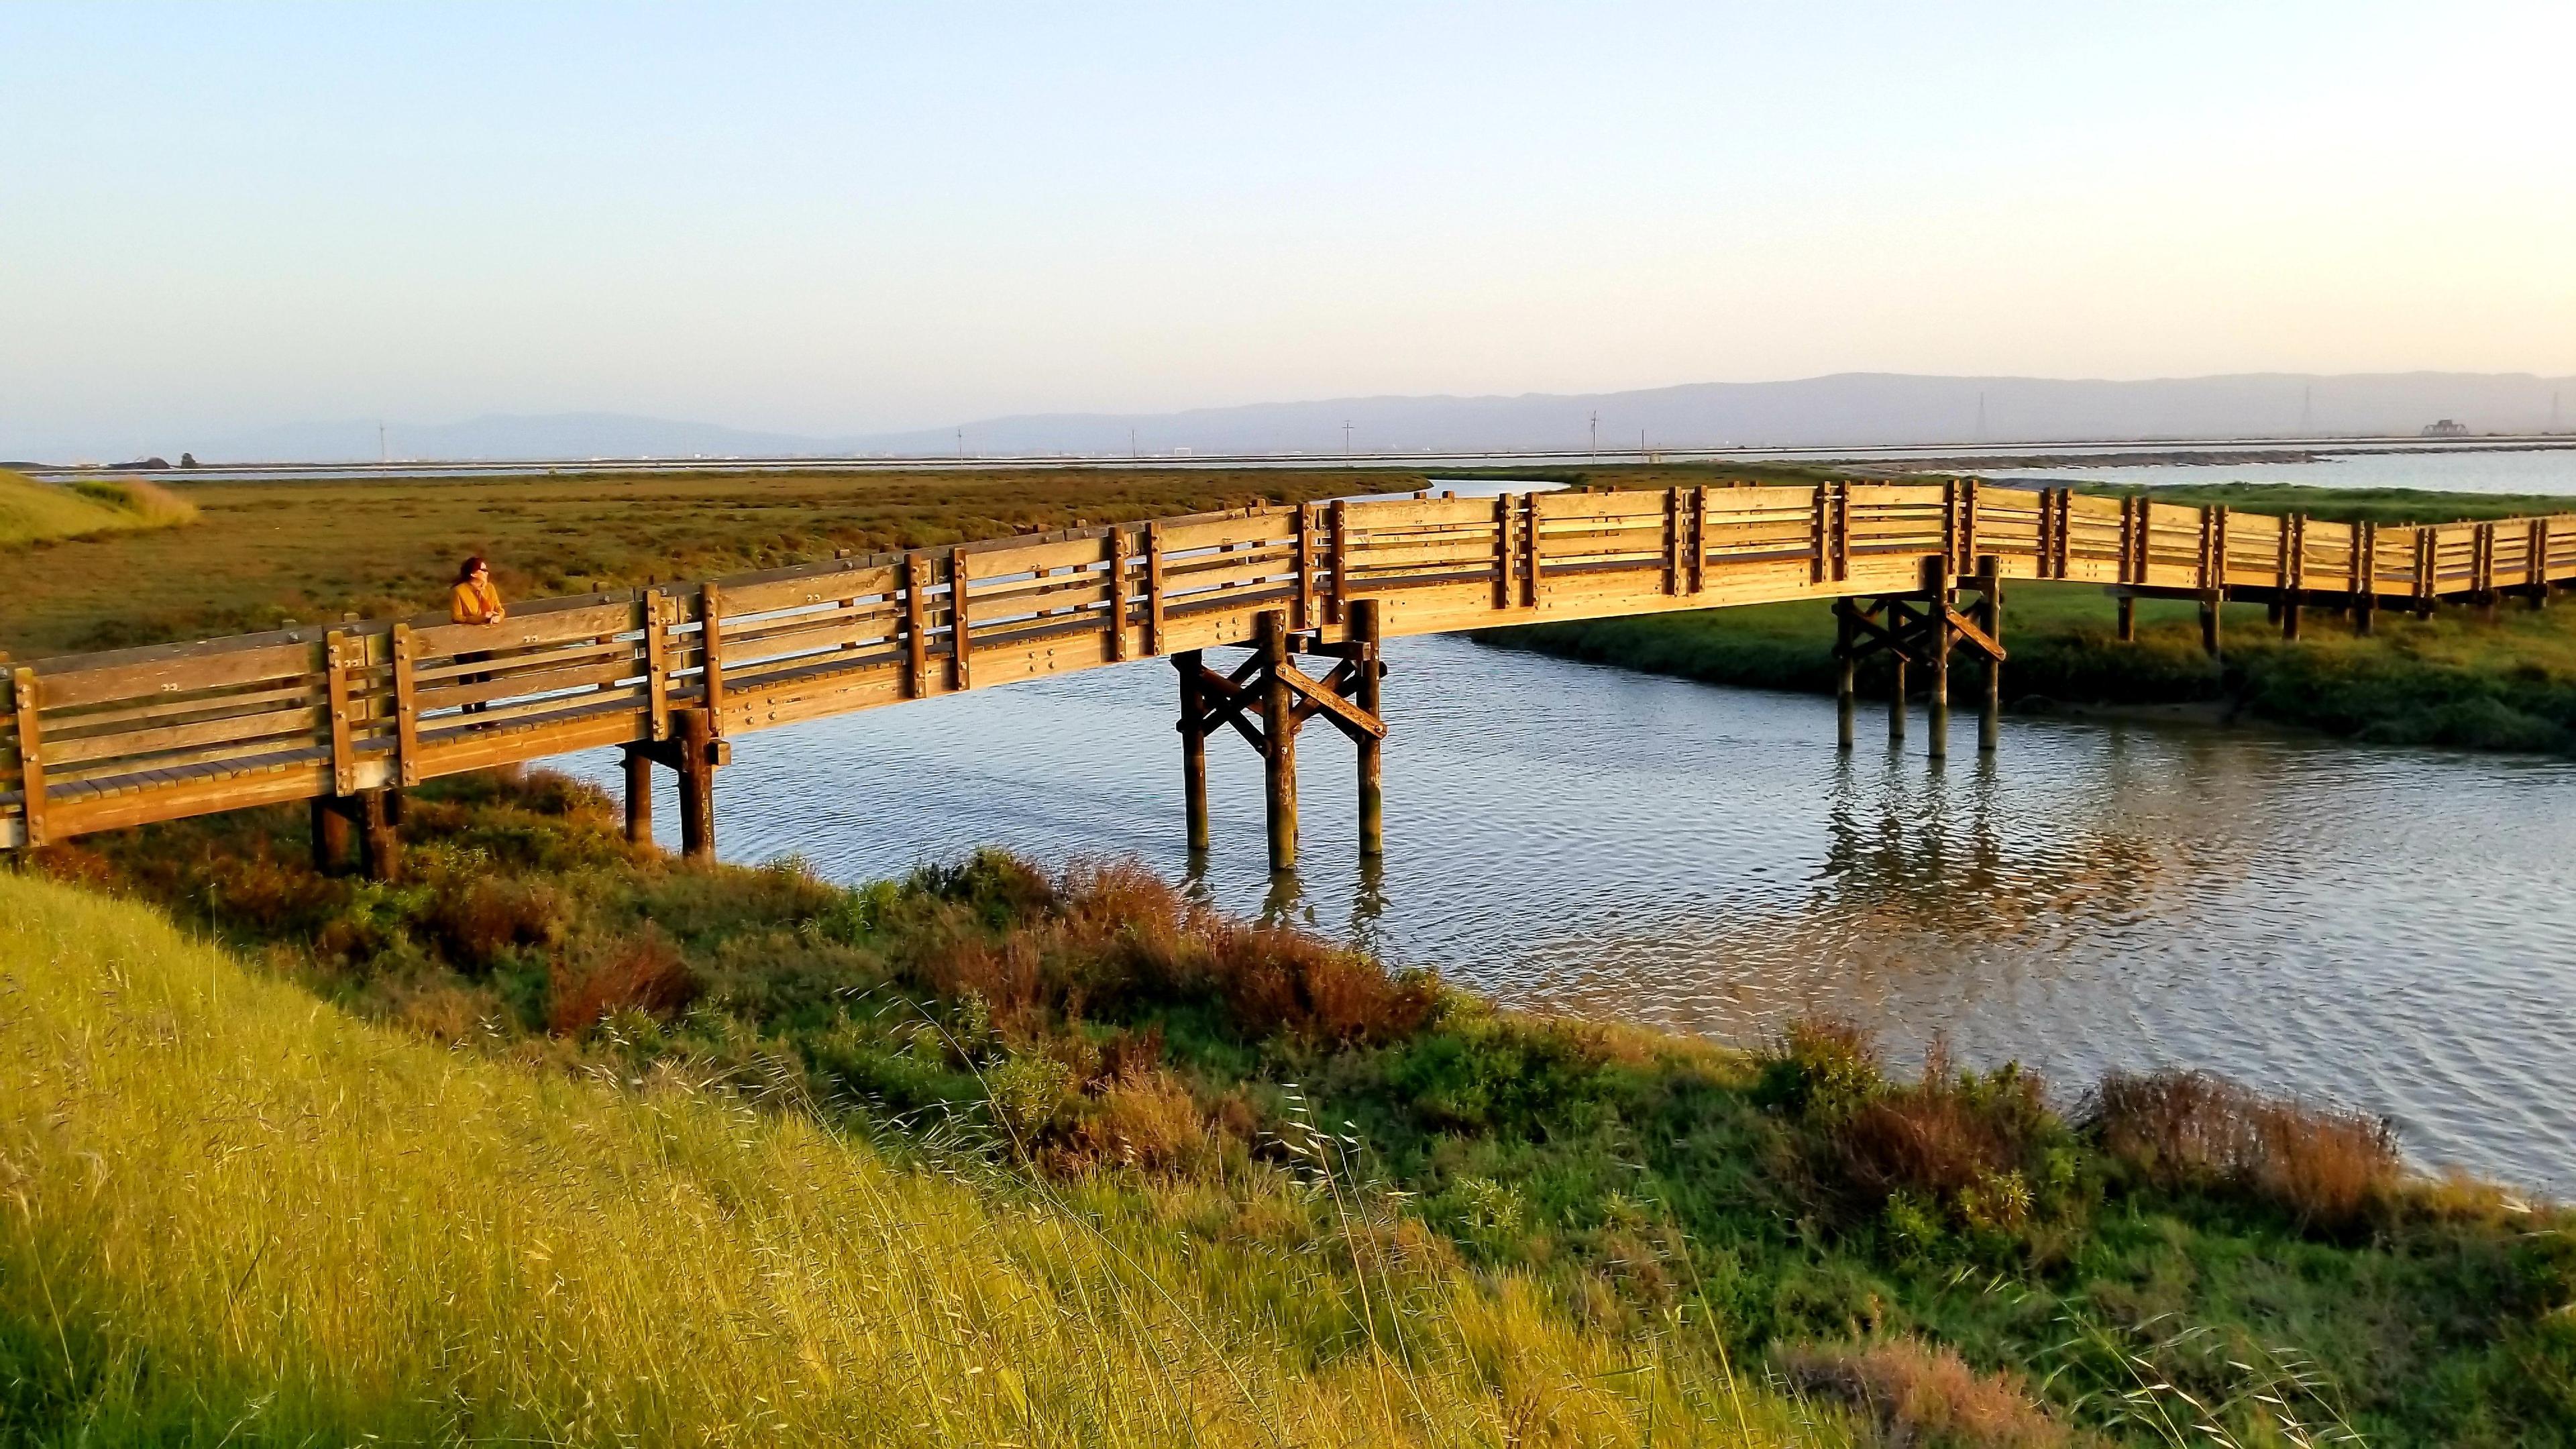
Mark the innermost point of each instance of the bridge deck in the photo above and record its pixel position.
(97, 741)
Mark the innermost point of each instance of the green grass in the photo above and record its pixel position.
(2453, 681)
(41, 513)
(236, 1216)
(2352, 505)
(1651, 1198)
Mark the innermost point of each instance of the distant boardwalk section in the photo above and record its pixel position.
(346, 716)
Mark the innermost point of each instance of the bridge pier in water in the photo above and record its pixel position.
(1921, 628)
(1350, 695)
(692, 753)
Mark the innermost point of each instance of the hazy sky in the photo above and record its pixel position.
(835, 219)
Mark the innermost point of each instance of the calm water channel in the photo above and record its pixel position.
(2394, 929)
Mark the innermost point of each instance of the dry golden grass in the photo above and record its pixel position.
(1926, 1396)
(234, 1215)
(33, 512)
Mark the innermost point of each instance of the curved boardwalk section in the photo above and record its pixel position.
(344, 716)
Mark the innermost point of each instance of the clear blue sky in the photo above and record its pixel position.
(834, 219)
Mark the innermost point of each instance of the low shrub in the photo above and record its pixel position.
(1924, 1395)
(2195, 1132)
(642, 973)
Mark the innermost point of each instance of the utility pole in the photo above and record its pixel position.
(1131, 445)
(1981, 417)
(2307, 410)
(1596, 435)
(383, 455)
(1346, 437)
(961, 443)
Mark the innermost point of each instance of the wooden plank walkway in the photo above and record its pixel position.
(99, 741)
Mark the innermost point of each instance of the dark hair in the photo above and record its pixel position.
(465, 570)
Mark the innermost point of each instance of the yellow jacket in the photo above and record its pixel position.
(473, 603)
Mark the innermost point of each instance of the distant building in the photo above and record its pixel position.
(2446, 428)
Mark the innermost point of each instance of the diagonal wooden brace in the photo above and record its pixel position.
(1322, 697)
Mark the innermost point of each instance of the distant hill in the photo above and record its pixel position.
(1843, 410)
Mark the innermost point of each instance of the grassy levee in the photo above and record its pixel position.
(41, 513)
(1337, 1168)
(2453, 681)
(235, 1215)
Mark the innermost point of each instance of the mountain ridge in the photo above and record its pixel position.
(1852, 409)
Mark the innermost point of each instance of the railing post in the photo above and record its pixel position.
(711, 655)
(1699, 538)
(2365, 576)
(1503, 550)
(1306, 613)
(406, 708)
(2294, 571)
(1365, 632)
(1279, 741)
(1155, 642)
(961, 629)
(27, 701)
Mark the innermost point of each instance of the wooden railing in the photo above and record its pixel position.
(97, 741)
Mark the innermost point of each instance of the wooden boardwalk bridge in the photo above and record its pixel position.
(346, 716)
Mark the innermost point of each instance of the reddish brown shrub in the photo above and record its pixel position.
(1926, 1396)
(76, 865)
(482, 917)
(2191, 1130)
(1949, 1136)
(1008, 974)
(1281, 981)
(641, 973)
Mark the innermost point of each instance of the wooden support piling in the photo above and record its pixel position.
(1366, 634)
(331, 836)
(1846, 672)
(1895, 698)
(697, 772)
(1990, 617)
(379, 844)
(639, 797)
(1936, 590)
(2211, 604)
(1279, 741)
(2128, 618)
(1194, 776)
